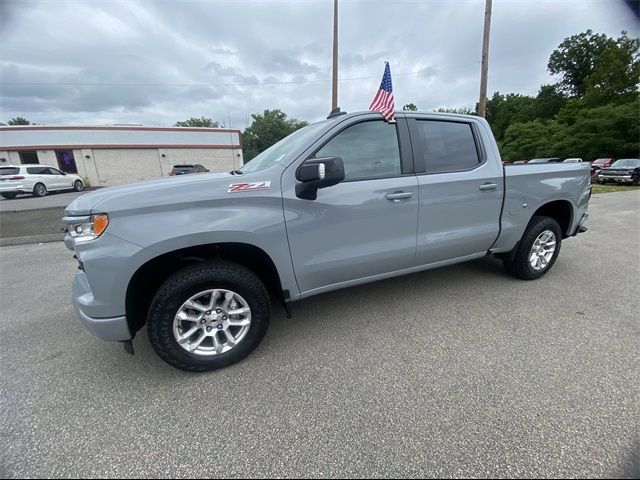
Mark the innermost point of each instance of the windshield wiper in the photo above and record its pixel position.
(236, 172)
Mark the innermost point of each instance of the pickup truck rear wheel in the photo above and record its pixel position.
(208, 316)
(537, 251)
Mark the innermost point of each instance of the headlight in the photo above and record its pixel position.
(89, 230)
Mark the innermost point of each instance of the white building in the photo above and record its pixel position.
(109, 155)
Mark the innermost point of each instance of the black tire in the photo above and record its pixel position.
(517, 264)
(635, 180)
(187, 282)
(39, 190)
(78, 186)
(10, 195)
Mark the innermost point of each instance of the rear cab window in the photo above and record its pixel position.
(9, 170)
(447, 146)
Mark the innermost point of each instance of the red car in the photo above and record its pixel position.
(603, 162)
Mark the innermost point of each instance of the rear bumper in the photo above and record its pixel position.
(15, 188)
(109, 329)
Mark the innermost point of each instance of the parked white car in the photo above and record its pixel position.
(36, 179)
(572, 160)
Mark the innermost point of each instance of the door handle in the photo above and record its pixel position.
(488, 186)
(399, 196)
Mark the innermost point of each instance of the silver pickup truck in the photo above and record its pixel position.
(349, 200)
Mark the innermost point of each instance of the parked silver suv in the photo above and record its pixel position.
(36, 179)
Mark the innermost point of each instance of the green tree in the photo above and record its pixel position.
(530, 139)
(606, 130)
(548, 102)
(461, 111)
(410, 107)
(198, 122)
(616, 74)
(505, 110)
(267, 128)
(595, 60)
(19, 121)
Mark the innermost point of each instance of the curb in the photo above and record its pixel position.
(52, 237)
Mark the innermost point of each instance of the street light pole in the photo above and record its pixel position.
(482, 104)
(334, 92)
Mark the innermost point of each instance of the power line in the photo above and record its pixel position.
(232, 84)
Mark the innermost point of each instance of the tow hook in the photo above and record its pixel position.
(128, 347)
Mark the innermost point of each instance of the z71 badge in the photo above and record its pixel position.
(249, 187)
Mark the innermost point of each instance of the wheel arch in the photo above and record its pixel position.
(148, 278)
(561, 211)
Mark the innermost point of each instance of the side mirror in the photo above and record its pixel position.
(318, 173)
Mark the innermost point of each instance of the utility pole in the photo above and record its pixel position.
(334, 92)
(482, 105)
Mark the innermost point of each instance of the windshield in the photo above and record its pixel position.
(626, 163)
(276, 153)
(602, 160)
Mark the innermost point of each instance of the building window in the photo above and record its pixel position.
(28, 157)
(66, 161)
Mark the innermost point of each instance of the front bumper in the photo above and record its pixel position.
(109, 329)
(616, 178)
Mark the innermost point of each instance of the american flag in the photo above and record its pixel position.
(383, 101)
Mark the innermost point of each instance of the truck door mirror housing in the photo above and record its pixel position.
(318, 173)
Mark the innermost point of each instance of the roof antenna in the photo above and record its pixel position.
(336, 113)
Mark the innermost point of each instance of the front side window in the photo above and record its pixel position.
(447, 146)
(36, 170)
(368, 150)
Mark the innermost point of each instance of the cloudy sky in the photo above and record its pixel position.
(158, 61)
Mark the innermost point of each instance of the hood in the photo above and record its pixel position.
(152, 192)
(619, 169)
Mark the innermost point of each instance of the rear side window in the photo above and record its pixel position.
(9, 171)
(447, 146)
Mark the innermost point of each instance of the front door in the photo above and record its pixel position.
(55, 180)
(362, 227)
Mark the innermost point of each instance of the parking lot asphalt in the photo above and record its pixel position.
(460, 371)
(29, 202)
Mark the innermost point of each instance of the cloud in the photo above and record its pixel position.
(433, 47)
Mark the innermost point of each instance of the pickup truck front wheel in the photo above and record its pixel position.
(537, 251)
(208, 316)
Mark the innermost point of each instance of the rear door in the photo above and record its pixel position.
(460, 190)
(364, 226)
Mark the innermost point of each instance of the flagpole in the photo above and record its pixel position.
(334, 92)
